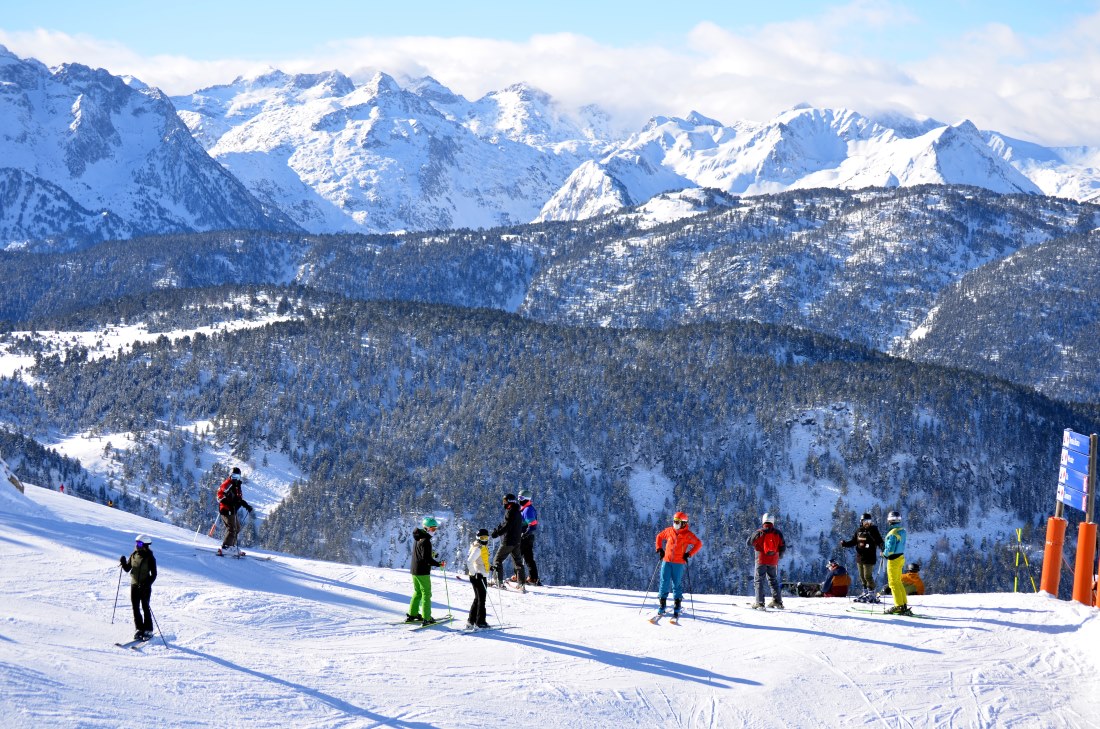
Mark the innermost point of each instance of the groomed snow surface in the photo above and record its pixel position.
(297, 643)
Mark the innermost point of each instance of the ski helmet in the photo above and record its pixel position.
(913, 567)
(483, 536)
(525, 495)
(509, 498)
(429, 522)
(767, 518)
(893, 517)
(832, 563)
(236, 474)
(866, 516)
(143, 541)
(680, 516)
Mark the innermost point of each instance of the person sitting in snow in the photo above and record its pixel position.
(142, 566)
(836, 583)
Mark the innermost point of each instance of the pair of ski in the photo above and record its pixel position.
(238, 555)
(672, 620)
(883, 613)
(134, 644)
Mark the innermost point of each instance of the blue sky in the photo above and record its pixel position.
(1023, 68)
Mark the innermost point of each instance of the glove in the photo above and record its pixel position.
(249, 509)
(122, 561)
(661, 552)
(686, 555)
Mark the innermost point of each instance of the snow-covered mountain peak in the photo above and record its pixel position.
(696, 119)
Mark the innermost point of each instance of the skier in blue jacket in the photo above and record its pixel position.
(894, 552)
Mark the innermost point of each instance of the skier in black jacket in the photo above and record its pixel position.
(511, 529)
(142, 566)
(423, 559)
(868, 543)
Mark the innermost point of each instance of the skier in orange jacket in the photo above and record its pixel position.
(675, 544)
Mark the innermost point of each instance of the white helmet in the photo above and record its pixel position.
(142, 539)
(767, 519)
(893, 517)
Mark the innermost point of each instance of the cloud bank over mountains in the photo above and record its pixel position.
(1038, 87)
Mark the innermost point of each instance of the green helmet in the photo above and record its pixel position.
(429, 522)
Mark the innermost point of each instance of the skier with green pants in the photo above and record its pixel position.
(423, 559)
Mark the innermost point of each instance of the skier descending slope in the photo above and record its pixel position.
(675, 545)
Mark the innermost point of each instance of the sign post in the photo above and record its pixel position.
(1083, 571)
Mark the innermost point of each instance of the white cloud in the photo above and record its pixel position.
(1042, 88)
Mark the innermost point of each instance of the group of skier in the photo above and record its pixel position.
(675, 546)
(517, 533)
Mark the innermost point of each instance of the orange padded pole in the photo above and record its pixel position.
(1086, 556)
(1052, 555)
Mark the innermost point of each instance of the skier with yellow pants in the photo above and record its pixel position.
(894, 552)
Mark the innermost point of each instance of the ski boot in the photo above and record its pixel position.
(413, 618)
(429, 621)
(758, 606)
(776, 603)
(661, 609)
(140, 635)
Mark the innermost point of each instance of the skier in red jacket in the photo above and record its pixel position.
(230, 500)
(769, 545)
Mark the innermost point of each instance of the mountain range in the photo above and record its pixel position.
(89, 156)
(84, 157)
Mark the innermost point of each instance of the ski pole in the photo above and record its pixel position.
(691, 592)
(446, 590)
(154, 617)
(496, 611)
(650, 585)
(117, 589)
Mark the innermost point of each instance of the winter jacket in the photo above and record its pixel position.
(912, 583)
(867, 541)
(836, 583)
(230, 497)
(769, 545)
(477, 561)
(530, 517)
(678, 544)
(511, 527)
(142, 566)
(423, 558)
(895, 543)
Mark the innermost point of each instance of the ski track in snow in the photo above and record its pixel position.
(294, 642)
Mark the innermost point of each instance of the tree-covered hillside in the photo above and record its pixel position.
(393, 410)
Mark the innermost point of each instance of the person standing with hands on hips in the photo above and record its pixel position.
(675, 545)
(230, 500)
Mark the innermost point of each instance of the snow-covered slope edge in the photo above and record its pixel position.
(291, 642)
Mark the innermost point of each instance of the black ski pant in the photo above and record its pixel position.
(477, 608)
(139, 599)
(527, 551)
(509, 550)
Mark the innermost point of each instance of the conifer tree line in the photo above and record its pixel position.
(392, 410)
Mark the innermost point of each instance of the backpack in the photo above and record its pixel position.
(770, 544)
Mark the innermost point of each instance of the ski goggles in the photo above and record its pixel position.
(678, 522)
